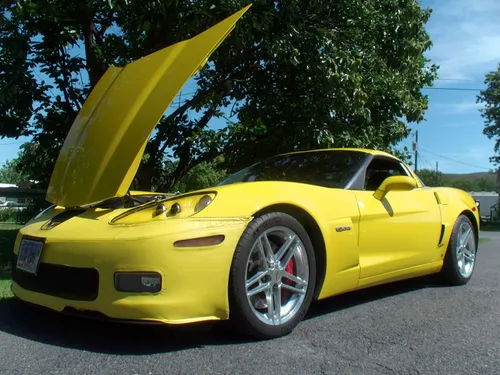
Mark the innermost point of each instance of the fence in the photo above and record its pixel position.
(20, 204)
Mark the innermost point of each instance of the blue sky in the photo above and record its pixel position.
(466, 38)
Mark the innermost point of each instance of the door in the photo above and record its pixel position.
(400, 231)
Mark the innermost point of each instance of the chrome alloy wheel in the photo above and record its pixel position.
(466, 249)
(277, 275)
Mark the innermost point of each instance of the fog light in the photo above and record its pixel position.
(138, 282)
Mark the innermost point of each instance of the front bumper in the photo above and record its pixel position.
(77, 270)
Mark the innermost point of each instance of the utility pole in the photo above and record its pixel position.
(415, 149)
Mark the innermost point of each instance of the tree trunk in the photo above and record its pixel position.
(143, 177)
(95, 68)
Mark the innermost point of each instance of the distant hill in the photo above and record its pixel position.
(479, 181)
(470, 176)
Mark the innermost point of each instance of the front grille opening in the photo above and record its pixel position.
(71, 283)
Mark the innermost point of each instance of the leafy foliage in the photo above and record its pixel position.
(202, 176)
(293, 75)
(9, 174)
(491, 113)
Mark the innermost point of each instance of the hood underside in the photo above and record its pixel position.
(105, 144)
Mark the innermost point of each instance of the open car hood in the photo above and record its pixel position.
(105, 144)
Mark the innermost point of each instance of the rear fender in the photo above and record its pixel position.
(453, 203)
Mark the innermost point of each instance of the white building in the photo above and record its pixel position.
(488, 203)
(2, 185)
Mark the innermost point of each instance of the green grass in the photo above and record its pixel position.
(8, 234)
(5, 292)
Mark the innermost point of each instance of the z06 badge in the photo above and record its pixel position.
(343, 229)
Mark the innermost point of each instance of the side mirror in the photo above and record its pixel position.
(394, 183)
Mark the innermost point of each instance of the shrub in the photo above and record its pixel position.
(9, 215)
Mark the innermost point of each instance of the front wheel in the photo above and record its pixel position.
(272, 276)
(460, 257)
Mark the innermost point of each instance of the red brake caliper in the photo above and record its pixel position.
(290, 268)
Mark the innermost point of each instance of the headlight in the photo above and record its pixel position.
(188, 205)
(202, 203)
(173, 208)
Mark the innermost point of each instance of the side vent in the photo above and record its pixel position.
(441, 198)
(442, 234)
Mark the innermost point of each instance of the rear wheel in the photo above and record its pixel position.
(460, 258)
(272, 276)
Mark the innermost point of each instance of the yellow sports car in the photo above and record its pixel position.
(255, 249)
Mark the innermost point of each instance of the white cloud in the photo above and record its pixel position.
(466, 37)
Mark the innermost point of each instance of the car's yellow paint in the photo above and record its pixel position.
(452, 202)
(386, 227)
(395, 247)
(195, 279)
(394, 183)
(142, 192)
(360, 238)
(104, 147)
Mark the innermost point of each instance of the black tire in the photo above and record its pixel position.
(242, 315)
(450, 273)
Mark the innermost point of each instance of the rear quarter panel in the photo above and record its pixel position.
(454, 202)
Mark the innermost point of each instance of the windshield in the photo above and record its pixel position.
(333, 169)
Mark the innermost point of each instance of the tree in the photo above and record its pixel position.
(491, 111)
(430, 178)
(202, 176)
(466, 185)
(473, 182)
(9, 174)
(292, 76)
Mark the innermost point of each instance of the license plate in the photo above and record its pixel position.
(29, 255)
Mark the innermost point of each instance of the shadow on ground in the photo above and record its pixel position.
(352, 299)
(7, 238)
(33, 323)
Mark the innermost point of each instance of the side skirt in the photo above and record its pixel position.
(408, 273)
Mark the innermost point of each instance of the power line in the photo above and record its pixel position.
(187, 93)
(450, 89)
(11, 143)
(424, 161)
(456, 161)
(458, 80)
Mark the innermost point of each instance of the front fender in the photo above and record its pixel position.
(335, 211)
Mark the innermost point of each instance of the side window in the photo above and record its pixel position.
(381, 168)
